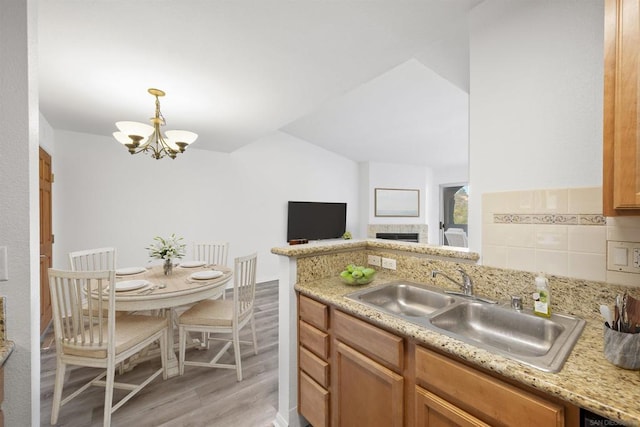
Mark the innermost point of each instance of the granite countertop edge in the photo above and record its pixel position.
(6, 348)
(586, 380)
(325, 247)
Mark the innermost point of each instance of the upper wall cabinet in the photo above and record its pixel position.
(621, 172)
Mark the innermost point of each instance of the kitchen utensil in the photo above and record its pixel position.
(606, 313)
(618, 313)
(633, 313)
(624, 315)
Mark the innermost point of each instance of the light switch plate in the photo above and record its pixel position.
(4, 268)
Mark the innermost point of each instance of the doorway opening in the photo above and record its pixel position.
(454, 214)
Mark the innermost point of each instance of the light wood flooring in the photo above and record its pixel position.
(206, 397)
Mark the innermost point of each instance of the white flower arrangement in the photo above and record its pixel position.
(169, 248)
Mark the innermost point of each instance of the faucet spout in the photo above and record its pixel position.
(466, 284)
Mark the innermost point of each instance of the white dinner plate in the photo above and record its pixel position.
(192, 264)
(130, 285)
(130, 270)
(206, 275)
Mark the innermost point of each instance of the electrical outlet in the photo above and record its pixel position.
(389, 263)
(375, 260)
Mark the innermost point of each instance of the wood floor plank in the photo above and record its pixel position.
(202, 397)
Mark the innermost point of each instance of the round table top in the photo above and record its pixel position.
(166, 291)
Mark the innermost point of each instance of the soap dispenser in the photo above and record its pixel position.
(542, 296)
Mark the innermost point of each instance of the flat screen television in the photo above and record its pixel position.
(316, 220)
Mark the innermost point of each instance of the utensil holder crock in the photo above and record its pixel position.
(622, 349)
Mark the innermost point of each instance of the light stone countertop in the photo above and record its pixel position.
(586, 380)
(332, 246)
(6, 348)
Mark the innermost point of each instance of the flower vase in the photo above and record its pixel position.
(168, 266)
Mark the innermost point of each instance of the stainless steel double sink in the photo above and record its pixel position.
(543, 343)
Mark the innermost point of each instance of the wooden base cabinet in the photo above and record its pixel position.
(313, 362)
(366, 393)
(478, 397)
(352, 373)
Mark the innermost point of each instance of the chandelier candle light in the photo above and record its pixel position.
(142, 138)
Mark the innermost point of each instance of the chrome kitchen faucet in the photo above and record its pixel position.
(466, 285)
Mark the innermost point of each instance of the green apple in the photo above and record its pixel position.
(368, 272)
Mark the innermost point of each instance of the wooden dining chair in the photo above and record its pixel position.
(223, 317)
(96, 338)
(456, 237)
(93, 259)
(212, 252)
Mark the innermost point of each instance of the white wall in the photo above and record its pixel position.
(47, 136)
(19, 208)
(103, 196)
(535, 99)
(391, 175)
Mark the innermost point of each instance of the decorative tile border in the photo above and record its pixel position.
(565, 219)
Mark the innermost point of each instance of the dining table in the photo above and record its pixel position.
(148, 288)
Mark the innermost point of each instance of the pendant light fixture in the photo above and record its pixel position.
(143, 138)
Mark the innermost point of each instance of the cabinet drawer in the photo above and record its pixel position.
(385, 347)
(314, 339)
(480, 394)
(434, 411)
(315, 367)
(314, 313)
(314, 401)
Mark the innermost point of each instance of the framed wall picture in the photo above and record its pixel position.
(397, 202)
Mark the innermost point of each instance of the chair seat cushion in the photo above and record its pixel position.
(209, 313)
(131, 329)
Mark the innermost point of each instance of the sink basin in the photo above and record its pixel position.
(507, 330)
(543, 343)
(404, 298)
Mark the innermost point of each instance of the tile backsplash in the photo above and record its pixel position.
(557, 231)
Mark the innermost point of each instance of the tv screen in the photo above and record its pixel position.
(316, 220)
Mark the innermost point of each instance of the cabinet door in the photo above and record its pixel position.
(432, 411)
(366, 393)
(621, 173)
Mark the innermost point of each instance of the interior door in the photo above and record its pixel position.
(46, 238)
(454, 212)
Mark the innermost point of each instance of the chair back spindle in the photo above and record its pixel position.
(213, 253)
(93, 259)
(245, 285)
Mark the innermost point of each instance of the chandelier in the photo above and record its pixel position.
(142, 138)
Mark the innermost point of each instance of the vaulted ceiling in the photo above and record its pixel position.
(373, 80)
